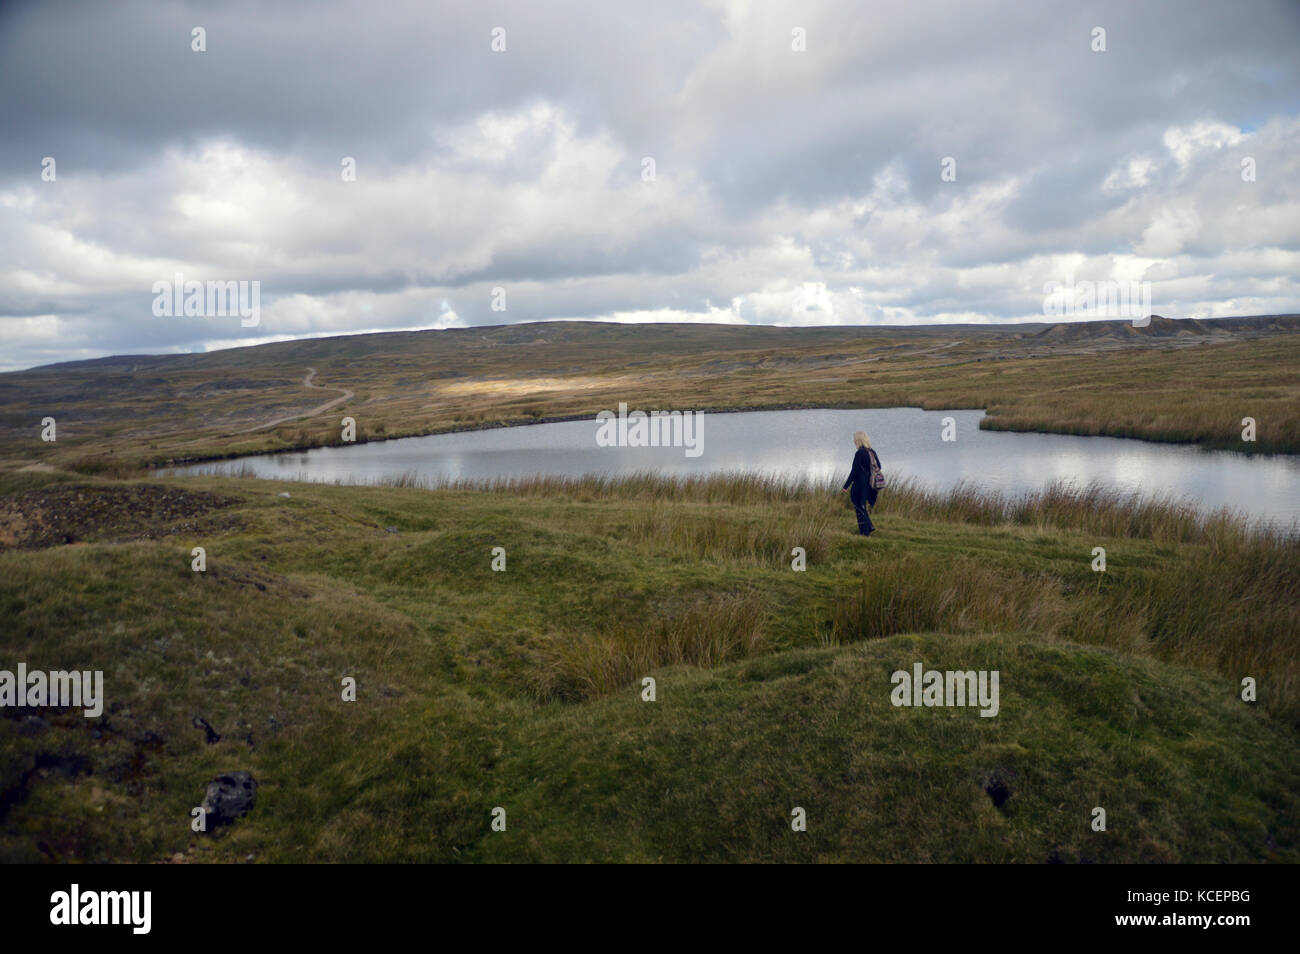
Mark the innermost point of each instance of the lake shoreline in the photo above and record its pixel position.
(818, 406)
(499, 425)
(916, 442)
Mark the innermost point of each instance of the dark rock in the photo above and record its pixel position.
(998, 786)
(229, 797)
(212, 738)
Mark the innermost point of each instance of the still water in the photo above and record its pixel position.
(819, 444)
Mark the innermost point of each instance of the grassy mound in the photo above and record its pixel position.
(521, 689)
(714, 768)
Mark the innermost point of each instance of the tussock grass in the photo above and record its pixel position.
(1061, 505)
(709, 633)
(917, 595)
(704, 533)
(1227, 600)
(1092, 508)
(648, 485)
(481, 688)
(1236, 612)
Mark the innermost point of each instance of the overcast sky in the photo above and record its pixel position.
(791, 186)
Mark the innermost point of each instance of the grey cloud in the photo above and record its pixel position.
(776, 171)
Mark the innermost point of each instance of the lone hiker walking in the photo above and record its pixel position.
(865, 481)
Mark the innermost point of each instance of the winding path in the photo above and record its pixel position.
(311, 373)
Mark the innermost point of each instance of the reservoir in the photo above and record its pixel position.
(818, 444)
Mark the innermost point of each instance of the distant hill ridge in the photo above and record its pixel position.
(1162, 327)
(679, 338)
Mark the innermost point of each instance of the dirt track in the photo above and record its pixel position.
(321, 409)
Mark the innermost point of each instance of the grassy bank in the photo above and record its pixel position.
(521, 688)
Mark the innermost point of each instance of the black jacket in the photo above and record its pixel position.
(860, 475)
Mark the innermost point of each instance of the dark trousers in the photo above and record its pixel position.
(860, 504)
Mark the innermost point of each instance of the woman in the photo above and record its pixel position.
(859, 486)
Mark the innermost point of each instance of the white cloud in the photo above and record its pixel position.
(796, 188)
(1186, 142)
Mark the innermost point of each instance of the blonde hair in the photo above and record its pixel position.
(860, 438)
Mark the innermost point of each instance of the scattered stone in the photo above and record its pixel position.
(229, 797)
(212, 738)
(284, 493)
(998, 785)
(390, 529)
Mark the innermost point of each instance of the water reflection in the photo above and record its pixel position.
(818, 444)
